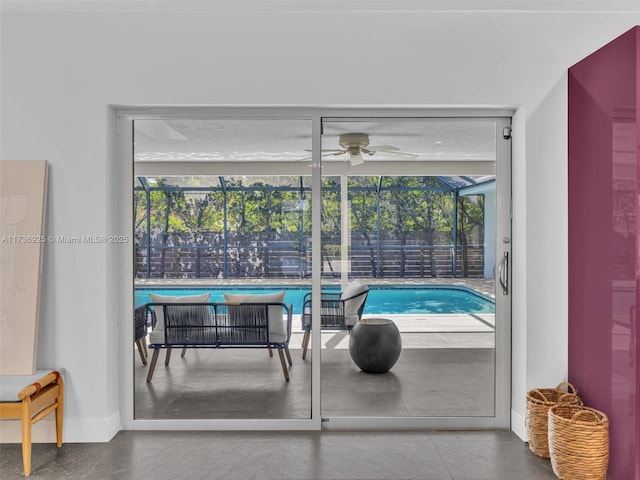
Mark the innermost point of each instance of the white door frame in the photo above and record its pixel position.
(123, 255)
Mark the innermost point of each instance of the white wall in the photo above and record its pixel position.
(61, 70)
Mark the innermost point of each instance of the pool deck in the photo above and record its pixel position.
(418, 330)
(486, 286)
(446, 368)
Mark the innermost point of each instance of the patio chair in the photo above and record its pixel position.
(338, 310)
(140, 332)
(30, 398)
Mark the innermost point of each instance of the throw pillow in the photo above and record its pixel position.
(277, 328)
(157, 335)
(353, 301)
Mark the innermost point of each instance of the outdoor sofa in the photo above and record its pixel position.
(241, 321)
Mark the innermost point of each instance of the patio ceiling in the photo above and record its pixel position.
(289, 140)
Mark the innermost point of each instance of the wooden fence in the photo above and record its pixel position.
(180, 256)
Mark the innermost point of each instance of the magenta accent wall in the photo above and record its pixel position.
(604, 242)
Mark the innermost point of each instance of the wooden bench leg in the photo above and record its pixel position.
(152, 365)
(305, 343)
(26, 436)
(270, 352)
(284, 364)
(167, 357)
(60, 413)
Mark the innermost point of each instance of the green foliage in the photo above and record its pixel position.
(261, 209)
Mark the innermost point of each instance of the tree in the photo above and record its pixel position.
(417, 212)
(364, 213)
(470, 218)
(404, 202)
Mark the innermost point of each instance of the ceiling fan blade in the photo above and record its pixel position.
(330, 153)
(378, 148)
(400, 154)
(328, 150)
(334, 153)
(392, 153)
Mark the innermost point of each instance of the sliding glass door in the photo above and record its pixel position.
(222, 214)
(398, 219)
(410, 209)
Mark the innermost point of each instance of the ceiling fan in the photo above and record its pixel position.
(357, 144)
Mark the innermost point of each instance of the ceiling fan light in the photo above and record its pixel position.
(356, 159)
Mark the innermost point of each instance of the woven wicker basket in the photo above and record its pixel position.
(538, 403)
(578, 442)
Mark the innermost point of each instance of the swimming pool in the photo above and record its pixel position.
(387, 299)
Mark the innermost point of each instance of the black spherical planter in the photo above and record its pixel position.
(375, 344)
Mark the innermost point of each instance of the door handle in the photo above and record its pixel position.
(503, 273)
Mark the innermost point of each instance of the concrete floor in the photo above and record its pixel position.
(446, 368)
(429, 455)
(437, 374)
(249, 384)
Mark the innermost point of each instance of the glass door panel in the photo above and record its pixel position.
(410, 209)
(222, 211)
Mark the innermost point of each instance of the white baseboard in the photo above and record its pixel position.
(103, 430)
(518, 426)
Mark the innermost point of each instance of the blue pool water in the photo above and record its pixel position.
(381, 299)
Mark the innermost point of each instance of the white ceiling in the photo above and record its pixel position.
(381, 6)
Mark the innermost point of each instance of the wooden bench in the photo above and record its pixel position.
(30, 398)
(220, 325)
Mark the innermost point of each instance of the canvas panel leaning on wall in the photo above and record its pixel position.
(22, 206)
